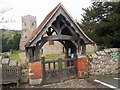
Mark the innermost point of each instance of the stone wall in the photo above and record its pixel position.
(104, 62)
(91, 48)
(57, 48)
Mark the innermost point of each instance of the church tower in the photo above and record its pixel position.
(28, 25)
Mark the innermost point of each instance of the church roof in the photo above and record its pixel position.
(47, 18)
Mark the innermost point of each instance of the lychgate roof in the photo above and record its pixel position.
(59, 9)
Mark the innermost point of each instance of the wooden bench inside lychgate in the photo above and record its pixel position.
(58, 70)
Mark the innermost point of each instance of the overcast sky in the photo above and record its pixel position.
(38, 8)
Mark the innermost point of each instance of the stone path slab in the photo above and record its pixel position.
(22, 57)
(74, 83)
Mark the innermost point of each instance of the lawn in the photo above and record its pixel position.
(15, 56)
(51, 57)
(41, 53)
(89, 53)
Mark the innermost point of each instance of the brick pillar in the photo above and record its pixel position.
(82, 67)
(35, 73)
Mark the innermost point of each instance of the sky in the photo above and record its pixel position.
(38, 8)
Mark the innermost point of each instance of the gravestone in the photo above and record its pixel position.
(5, 61)
(13, 63)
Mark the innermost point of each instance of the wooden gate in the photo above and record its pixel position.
(58, 70)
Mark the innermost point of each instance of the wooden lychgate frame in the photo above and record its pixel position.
(58, 26)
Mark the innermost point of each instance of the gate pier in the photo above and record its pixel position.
(35, 73)
(82, 67)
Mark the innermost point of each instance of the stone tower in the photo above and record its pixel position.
(28, 25)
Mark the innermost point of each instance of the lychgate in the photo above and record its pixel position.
(57, 26)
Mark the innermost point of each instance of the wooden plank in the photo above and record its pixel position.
(65, 64)
(50, 61)
(69, 63)
(55, 75)
(70, 59)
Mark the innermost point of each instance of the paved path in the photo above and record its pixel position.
(22, 57)
(73, 83)
(60, 56)
(107, 81)
(51, 64)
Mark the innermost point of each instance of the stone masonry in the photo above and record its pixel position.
(28, 25)
(57, 48)
(102, 62)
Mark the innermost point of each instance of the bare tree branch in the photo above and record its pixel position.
(3, 19)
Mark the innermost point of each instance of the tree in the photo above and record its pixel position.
(11, 44)
(5, 45)
(16, 41)
(101, 23)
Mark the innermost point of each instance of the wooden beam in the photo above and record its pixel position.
(55, 29)
(58, 37)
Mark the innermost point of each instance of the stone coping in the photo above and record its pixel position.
(81, 56)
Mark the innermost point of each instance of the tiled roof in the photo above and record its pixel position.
(35, 32)
(47, 18)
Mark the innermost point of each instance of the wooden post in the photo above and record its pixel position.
(84, 49)
(54, 65)
(27, 55)
(60, 67)
(30, 53)
(75, 65)
(37, 53)
(43, 69)
(49, 65)
(65, 64)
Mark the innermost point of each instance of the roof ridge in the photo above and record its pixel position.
(43, 23)
(76, 23)
(47, 18)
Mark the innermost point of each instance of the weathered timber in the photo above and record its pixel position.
(53, 75)
(11, 74)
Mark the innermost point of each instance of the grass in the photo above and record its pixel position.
(15, 56)
(51, 57)
(41, 53)
(63, 65)
(89, 53)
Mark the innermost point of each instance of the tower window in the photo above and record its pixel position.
(25, 36)
(51, 42)
(25, 30)
(24, 23)
(32, 24)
